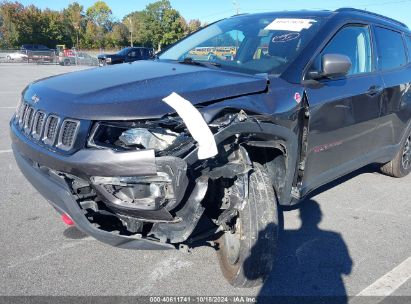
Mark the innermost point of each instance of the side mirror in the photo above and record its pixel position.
(333, 66)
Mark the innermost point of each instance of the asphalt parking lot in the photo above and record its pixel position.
(349, 235)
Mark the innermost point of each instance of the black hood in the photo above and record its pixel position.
(132, 91)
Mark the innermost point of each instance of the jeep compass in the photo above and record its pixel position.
(208, 140)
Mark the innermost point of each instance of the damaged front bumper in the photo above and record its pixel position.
(148, 198)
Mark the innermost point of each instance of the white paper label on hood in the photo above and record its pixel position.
(289, 24)
(195, 123)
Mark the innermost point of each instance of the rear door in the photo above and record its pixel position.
(145, 54)
(396, 72)
(133, 55)
(344, 112)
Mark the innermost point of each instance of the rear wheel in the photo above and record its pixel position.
(247, 253)
(400, 166)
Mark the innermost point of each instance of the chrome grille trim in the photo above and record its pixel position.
(28, 119)
(20, 111)
(23, 110)
(38, 125)
(51, 129)
(68, 134)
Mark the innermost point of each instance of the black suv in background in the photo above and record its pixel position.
(34, 47)
(160, 154)
(38, 52)
(129, 54)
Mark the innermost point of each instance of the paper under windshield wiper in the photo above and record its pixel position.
(189, 60)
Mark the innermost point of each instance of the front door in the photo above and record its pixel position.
(344, 112)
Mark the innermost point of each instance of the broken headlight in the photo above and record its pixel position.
(164, 136)
(142, 138)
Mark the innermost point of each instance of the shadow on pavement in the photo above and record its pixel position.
(73, 233)
(310, 263)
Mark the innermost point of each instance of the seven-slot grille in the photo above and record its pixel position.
(49, 129)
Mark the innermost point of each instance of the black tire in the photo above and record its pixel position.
(67, 62)
(400, 166)
(257, 226)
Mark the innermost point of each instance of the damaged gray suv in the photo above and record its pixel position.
(203, 143)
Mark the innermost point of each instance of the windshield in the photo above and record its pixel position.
(250, 44)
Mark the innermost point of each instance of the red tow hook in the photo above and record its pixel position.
(67, 219)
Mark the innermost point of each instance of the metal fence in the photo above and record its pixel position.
(47, 57)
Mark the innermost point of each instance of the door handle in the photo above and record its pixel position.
(375, 90)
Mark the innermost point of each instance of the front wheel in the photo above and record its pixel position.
(247, 253)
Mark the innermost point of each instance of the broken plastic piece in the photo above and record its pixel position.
(195, 123)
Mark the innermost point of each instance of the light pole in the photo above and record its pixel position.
(237, 7)
(131, 31)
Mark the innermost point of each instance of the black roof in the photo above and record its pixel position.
(342, 12)
(370, 14)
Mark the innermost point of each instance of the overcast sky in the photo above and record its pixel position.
(211, 10)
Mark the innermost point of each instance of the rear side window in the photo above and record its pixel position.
(391, 51)
(408, 43)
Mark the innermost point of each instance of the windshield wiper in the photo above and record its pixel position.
(189, 60)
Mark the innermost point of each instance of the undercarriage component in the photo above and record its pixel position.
(189, 214)
(235, 198)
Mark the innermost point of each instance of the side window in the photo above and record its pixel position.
(408, 43)
(145, 53)
(133, 54)
(355, 43)
(391, 52)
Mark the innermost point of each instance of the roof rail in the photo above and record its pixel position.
(349, 9)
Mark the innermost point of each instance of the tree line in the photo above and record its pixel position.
(157, 26)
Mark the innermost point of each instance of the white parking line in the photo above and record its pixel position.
(389, 282)
(6, 151)
(50, 252)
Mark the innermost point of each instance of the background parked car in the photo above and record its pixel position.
(16, 56)
(66, 56)
(128, 54)
(38, 52)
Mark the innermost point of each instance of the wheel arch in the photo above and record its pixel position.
(266, 138)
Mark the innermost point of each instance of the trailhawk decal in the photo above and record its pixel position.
(195, 123)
